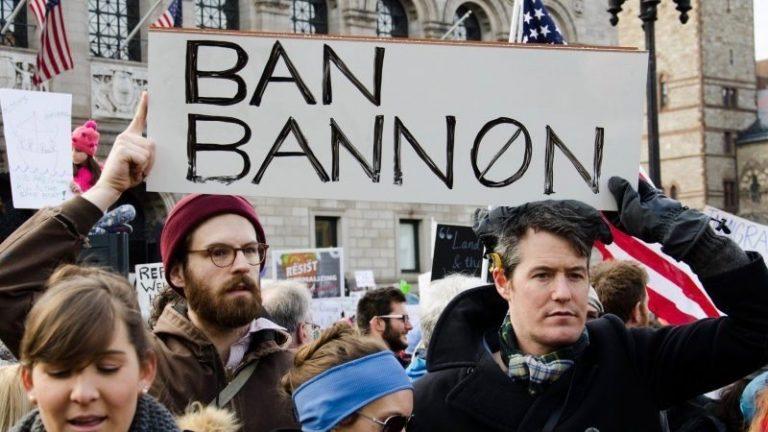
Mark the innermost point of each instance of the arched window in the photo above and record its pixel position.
(391, 19)
(309, 16)
(109, 22)
(469, 29)
(216, 14)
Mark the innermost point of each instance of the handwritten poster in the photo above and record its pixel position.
(37, 130)
(150, 280)
(456, 250)
(321, 269)
(390, 120)
(326, 311)
(749, 235)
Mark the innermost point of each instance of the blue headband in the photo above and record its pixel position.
(332, 396)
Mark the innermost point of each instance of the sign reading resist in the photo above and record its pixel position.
(365, 119)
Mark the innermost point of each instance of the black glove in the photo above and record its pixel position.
(654, 218)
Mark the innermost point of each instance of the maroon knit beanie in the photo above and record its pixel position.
(190, 212)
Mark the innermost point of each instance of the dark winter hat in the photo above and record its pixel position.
(190, 212)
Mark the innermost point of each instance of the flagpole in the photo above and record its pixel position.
(141, 23)
(10, 19)
(515, 21)
(456, 24)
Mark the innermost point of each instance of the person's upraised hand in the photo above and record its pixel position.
(128, 163)
(652, 217)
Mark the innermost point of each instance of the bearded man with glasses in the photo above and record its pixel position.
(381, 313)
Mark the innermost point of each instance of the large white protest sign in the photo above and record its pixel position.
(391, 120)
(150, 280)
(37, 129)
(747, 234)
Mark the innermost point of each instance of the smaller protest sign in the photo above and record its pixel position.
(150, 280)
(364, 279)
(456, 250)
(747, 234)
(38, 138)
(326, 311)
(321, 269)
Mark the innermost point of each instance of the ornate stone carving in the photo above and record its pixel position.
(16, 70)
(578, 7)
(115, 89)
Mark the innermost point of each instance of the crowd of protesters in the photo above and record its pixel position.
(550, 345)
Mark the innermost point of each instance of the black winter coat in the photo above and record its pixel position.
(619, 383)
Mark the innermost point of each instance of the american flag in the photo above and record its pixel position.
(535, 25)
(54, 56)
(675, 293)
(171, 17)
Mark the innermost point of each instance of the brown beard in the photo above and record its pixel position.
(392, 339)
(211, 305)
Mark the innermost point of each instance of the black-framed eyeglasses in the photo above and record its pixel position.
(224, 255)
(403, 317)
(395, 423)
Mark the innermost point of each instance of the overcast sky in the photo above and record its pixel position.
(761, 29)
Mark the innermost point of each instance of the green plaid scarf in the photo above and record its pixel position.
(538, 371)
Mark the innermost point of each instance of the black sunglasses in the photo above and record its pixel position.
(395, 423)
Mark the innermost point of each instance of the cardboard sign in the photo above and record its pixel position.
(38, 136)
(364, 279)
(456, 250)
(326, 311)
(321, 269)
(150, 280)
(390, 120)
(749, 235)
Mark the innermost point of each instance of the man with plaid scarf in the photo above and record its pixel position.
(518, 355)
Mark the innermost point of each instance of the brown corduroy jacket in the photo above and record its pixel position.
(189, 367)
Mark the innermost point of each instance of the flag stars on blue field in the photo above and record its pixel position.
(538, 25)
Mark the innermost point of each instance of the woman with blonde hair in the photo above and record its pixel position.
(347, 382)
(87, 362)
(13, 399)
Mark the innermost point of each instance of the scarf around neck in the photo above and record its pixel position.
(150, 416)
(537, 371)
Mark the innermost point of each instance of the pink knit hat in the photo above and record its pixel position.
(86, 138)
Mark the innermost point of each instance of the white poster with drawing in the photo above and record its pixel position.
(37, 129)
(150, 280)
(392, 120)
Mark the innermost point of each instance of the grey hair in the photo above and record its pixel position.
(287, 302)
(436, 298)
(578, 227)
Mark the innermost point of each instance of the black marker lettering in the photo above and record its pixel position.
(277, 53)
(291, 127)
(329, 55)
(480, 175)
(401, 130)
(549, 161)
(339, 138)
(193, 147)
(193, 74)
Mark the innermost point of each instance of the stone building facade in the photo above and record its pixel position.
(752, 156)
(707, 93)
(393, 240)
